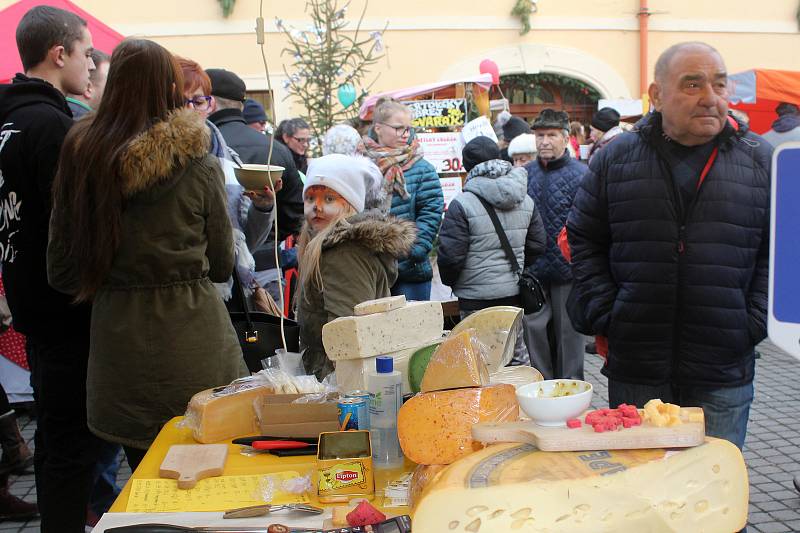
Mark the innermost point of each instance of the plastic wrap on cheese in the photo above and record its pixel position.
(516, 375)
(435, 428)
(359, 337)
(497, 328)
(459, 361)
(422, 477)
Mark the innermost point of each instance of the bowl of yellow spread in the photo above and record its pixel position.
(554, 401)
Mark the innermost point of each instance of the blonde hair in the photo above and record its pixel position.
(309, 248)
(386, 107)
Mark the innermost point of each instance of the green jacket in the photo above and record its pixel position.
(159, 331)
(358, 263)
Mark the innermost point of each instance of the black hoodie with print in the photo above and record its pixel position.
(34, 119)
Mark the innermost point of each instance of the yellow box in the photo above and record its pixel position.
(344, 466)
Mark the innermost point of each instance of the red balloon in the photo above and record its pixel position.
(488, 66)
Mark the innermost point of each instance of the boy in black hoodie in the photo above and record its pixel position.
(55, 47)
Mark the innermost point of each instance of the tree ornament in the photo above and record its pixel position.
(346, 94)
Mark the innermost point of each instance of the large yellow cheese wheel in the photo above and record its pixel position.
(515, 487)
(435, 428)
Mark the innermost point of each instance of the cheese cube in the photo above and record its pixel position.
(696, 417)
(214, 418)
(358, 337)
(672, 409)
(658, 420)
(381, 305)
(653, 404)
(497, 328)
(674, 421)
(457, 362)
(435, 428)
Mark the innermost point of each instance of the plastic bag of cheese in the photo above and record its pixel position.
(459, 361)
(422, 477)
(435, 428)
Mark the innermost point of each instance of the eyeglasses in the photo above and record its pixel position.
(199, 102)
(400, 131)
(302, 140)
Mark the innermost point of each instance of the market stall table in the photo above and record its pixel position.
(238, 465)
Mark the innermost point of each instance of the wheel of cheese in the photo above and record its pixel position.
(435, 428)
(497, 328)
(514, 487)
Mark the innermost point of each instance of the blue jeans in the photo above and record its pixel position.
(413, 291)
(726, 409)
(105, 489)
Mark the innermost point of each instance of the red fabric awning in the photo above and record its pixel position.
(103, 37)
(758, 92)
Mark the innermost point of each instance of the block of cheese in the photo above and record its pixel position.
(516, 375)
(351, 374)
(458, 362)
(381, 305)
(214, 417)
(357, 337)
(497, 328)
(513, 487)
(435, 428)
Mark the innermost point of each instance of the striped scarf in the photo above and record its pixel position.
(392, 162)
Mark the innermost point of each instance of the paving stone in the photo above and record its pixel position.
(773, 527)
(770, 506)
(759, 518)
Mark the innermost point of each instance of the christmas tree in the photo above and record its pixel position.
(329, 62)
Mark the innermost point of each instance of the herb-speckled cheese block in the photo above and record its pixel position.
(497, 328)
(351, 374)
(381, 305)
(514, 487)
(358, 337)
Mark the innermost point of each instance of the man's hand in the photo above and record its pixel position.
(265, 198)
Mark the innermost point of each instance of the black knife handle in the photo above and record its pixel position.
(248, 441)
(151, 528)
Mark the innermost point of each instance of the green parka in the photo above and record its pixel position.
(358, 263)
(159, 331)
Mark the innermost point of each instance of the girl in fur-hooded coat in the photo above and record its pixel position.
(160, 331)
(346, 256)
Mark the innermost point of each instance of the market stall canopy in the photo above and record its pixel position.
(103, 37)
(758, 92)
(442, 89)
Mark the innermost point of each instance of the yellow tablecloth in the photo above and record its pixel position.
(238, 464)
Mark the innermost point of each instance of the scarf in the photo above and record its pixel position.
(392, 162)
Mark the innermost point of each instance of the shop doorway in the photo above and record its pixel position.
(528, 94)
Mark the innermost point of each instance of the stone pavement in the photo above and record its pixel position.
(772, 449)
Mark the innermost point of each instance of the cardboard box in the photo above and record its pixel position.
(279, 417)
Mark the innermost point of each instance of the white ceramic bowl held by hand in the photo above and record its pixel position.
(256, 177)
(554, 401)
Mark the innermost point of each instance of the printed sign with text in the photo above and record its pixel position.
(442, 150)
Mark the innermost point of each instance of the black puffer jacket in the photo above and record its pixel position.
(680, 301)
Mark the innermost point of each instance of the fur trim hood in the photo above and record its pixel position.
(154, 155)
(390, 235)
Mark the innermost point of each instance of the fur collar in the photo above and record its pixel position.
(154, 155)
(389, 235)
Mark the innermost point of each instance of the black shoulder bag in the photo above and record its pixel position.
(530, 288)
(259, 333)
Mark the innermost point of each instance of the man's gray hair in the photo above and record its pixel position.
(224, 103)
(664, 60)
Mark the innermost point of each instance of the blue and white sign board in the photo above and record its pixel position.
(784, 254)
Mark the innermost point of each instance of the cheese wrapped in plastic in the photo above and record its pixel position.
(435, 428)
(422, 477)
(458, 362)
(516, 375)
(497, 328)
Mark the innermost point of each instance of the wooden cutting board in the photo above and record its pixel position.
(189, 463)
(563, 439)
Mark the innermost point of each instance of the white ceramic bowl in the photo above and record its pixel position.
(256, 177)
(554, 401)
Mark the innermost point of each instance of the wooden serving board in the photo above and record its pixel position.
(564, 439)
(189, 463)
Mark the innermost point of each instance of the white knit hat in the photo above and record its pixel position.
(522, 144)
(344, 174)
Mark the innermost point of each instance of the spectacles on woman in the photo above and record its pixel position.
(199, 102)
(302, 140)
(400, 131)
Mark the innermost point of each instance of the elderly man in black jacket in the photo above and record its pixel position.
(228, 91)
(670, 248)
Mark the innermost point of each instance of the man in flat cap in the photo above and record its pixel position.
(556, 349)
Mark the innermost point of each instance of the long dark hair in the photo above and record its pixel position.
(144, 84)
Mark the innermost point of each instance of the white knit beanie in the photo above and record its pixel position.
(522, 144)
(344, 174)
